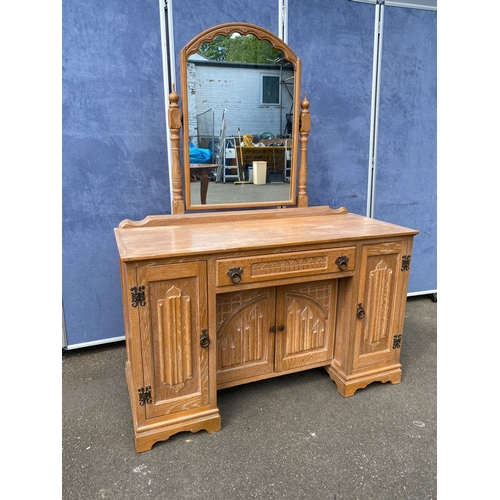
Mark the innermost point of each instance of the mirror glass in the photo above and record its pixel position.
(240, 93)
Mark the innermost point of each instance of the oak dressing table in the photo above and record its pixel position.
(216, 299)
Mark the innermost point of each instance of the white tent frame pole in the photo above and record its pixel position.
(283, 20)
(374, 118)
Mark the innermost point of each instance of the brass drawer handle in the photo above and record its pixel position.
(235, 274)
(342, 262)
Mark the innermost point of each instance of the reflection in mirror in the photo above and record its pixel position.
(241, 89)
(239, 96)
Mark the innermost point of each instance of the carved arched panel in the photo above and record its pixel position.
(305, 319)
(174, 329)
(245, 345)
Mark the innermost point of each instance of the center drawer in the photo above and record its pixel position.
(244, 270)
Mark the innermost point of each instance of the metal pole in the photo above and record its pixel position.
(377, 66)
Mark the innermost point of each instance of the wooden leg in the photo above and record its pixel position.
(203, 185)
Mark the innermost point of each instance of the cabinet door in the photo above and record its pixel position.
(305, 321)
(245, 345)
(175, 365)
(381, 304)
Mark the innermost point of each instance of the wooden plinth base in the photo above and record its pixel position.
(144, 441)
(349, 387)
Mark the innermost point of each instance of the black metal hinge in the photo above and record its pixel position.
(138, 296)
(405, 263)
(396, 344)
(144, 395)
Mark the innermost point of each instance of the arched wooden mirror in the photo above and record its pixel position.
(240, 104)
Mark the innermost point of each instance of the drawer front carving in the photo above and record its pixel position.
(284, 265)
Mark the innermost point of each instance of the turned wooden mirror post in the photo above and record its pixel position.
(174, 124)
(299, 126)
(305, 127)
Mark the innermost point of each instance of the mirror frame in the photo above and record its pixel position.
(192, 48)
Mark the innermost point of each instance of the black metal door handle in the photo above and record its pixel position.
(360, 313)
(204, 338)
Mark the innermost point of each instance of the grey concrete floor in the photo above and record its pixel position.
(229, 192)
(291, 437)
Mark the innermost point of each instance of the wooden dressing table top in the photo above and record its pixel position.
(195, 234)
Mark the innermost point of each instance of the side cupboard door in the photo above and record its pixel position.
(172, 322)
(381, 304)
(245, 345)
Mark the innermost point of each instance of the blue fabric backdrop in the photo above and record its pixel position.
(114, 153)
(406, 182)
(335, 42)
